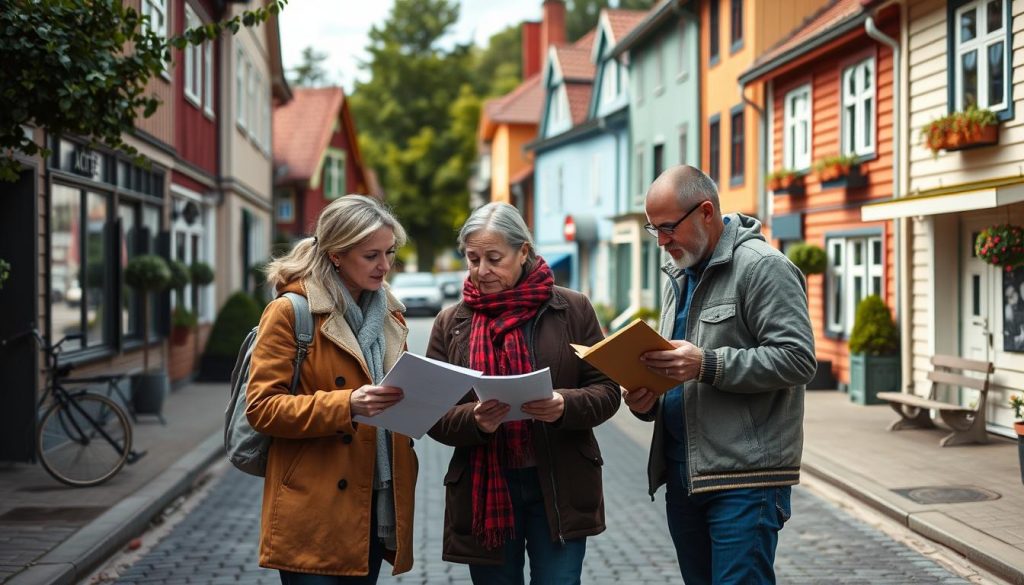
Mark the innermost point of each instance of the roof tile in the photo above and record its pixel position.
(303, 128)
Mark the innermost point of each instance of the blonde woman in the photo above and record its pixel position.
(338, 496)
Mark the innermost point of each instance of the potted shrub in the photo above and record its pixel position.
(786, 181)
(1017, 404)
(1001, 246)
(874, 357)
(180, 318)
(146, 274)
(202, 275)
(962, 130)
(841, 170)
(812, 259)
(237, 317)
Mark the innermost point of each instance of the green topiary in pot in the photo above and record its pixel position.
(180, 278)
(809, 258)
(874, 332)
(147, 273)
(237, 317)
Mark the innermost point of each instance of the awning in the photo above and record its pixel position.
(943, 203)
(555, 258)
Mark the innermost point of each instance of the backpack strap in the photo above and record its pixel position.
(303, 333)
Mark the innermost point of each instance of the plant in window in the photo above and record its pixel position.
(809, 258)
(1001, 245)
(784, 180)
(971, 127)
(832, 168)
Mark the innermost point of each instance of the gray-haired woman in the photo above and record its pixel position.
(525, 487)
(337, 498)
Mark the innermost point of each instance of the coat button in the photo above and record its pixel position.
(339, 382)
(342, 484)
(346, 438)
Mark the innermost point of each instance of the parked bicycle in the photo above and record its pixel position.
(82, 438)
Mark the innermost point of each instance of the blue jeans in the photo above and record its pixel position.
(551, 563)
(376, 558)
(727, 536)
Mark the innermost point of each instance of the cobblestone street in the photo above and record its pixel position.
(216, 542)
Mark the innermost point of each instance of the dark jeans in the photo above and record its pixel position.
(728, 536)
(551, 563)
(376, 558)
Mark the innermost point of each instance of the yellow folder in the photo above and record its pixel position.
(618, 356)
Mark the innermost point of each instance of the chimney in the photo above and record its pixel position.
(552, 29)
(532, 55)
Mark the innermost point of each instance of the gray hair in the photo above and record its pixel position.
(504, 220)
(691, 186)
(344, 224)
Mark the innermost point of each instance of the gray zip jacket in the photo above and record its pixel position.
(744, 415)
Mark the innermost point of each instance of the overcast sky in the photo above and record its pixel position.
(339, 28)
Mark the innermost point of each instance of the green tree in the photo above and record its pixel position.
(405, 114)
(81, 67)
(310, 72)
(582, 15)
(499, 67)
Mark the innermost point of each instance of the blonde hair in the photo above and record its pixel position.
(344, 224)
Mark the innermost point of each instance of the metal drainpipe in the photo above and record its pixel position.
(901, 226)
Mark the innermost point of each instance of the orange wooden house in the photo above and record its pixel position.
(829, 87)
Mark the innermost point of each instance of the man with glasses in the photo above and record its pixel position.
(728, 439)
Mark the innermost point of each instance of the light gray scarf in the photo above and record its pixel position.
(367, 321)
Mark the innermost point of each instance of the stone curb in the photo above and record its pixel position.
(978, 547)
(74, 558)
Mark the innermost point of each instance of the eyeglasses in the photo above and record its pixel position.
(670, 229)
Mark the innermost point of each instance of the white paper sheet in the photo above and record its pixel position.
(515, 391)
(430, 387)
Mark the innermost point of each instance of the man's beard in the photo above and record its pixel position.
(694, 252)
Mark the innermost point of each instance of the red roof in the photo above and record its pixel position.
(522, 105)
(575, 63)
(828, 17)
(303, 128)
(579, 101)
(622, 21)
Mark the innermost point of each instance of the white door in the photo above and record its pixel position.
(978, 315)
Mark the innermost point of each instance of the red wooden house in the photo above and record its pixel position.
(317, 158)
(830, 93)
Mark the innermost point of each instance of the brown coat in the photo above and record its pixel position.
(568, 458)
(319, 484)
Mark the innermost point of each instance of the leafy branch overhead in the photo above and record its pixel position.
(81, 67)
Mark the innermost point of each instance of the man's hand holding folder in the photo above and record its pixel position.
(619, 356)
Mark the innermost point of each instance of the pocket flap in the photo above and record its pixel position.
(455, 470)
(591, 453)
(717, 314)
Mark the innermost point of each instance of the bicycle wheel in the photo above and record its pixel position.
(84, 440)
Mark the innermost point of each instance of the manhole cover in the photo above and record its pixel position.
(51, 514)
(948, 494)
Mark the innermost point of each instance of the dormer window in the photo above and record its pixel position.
(558, 111)
(610, 82)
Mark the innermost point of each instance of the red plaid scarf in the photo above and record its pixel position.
(497, 346)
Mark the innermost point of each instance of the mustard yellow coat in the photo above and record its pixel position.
(318, 488)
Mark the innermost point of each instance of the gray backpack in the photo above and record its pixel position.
(247, 449)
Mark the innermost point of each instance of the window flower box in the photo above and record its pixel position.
(841, 171)
(785, 181)
(971, 128)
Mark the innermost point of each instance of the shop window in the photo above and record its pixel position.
(855, 270)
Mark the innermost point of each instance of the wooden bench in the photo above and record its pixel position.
(968, 424)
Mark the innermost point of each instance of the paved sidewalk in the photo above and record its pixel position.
(51, 533)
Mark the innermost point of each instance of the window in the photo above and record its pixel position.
(560, 191)
(208, 77)
(334, 174)
(240, 71)
(714, 147)
(714, 30)
(265, 93)
(683, 67)
(639, 80)
(194, 62)
(558, 111)
(736, 24)
(250, 98)
(659, 160)
(981, 55)
(796, 137)
(855, 270)
(659, 64)
(683, 144)
(189, 242)
(286, 209)
(859, 108)
(641, 187)
(737, 151)
(156, 11)
(595, 180)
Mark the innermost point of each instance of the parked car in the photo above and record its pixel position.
(418, 291)
(451, 283)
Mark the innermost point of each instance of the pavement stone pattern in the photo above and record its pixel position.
(217, 542)
(21, 543)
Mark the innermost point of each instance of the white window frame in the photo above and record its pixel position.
(981, 43)
(266, 118)
(853, 108)
(334, 174)
(200, 228)
(659, 64)
(595, 179)
(240, 84)
(193, 62)
(558, 111)
(683, 69)
(796, 128)
(159, 22)
(610, 81)
(250, 98)
(208, 78)
(640, 79)
(842, 278)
